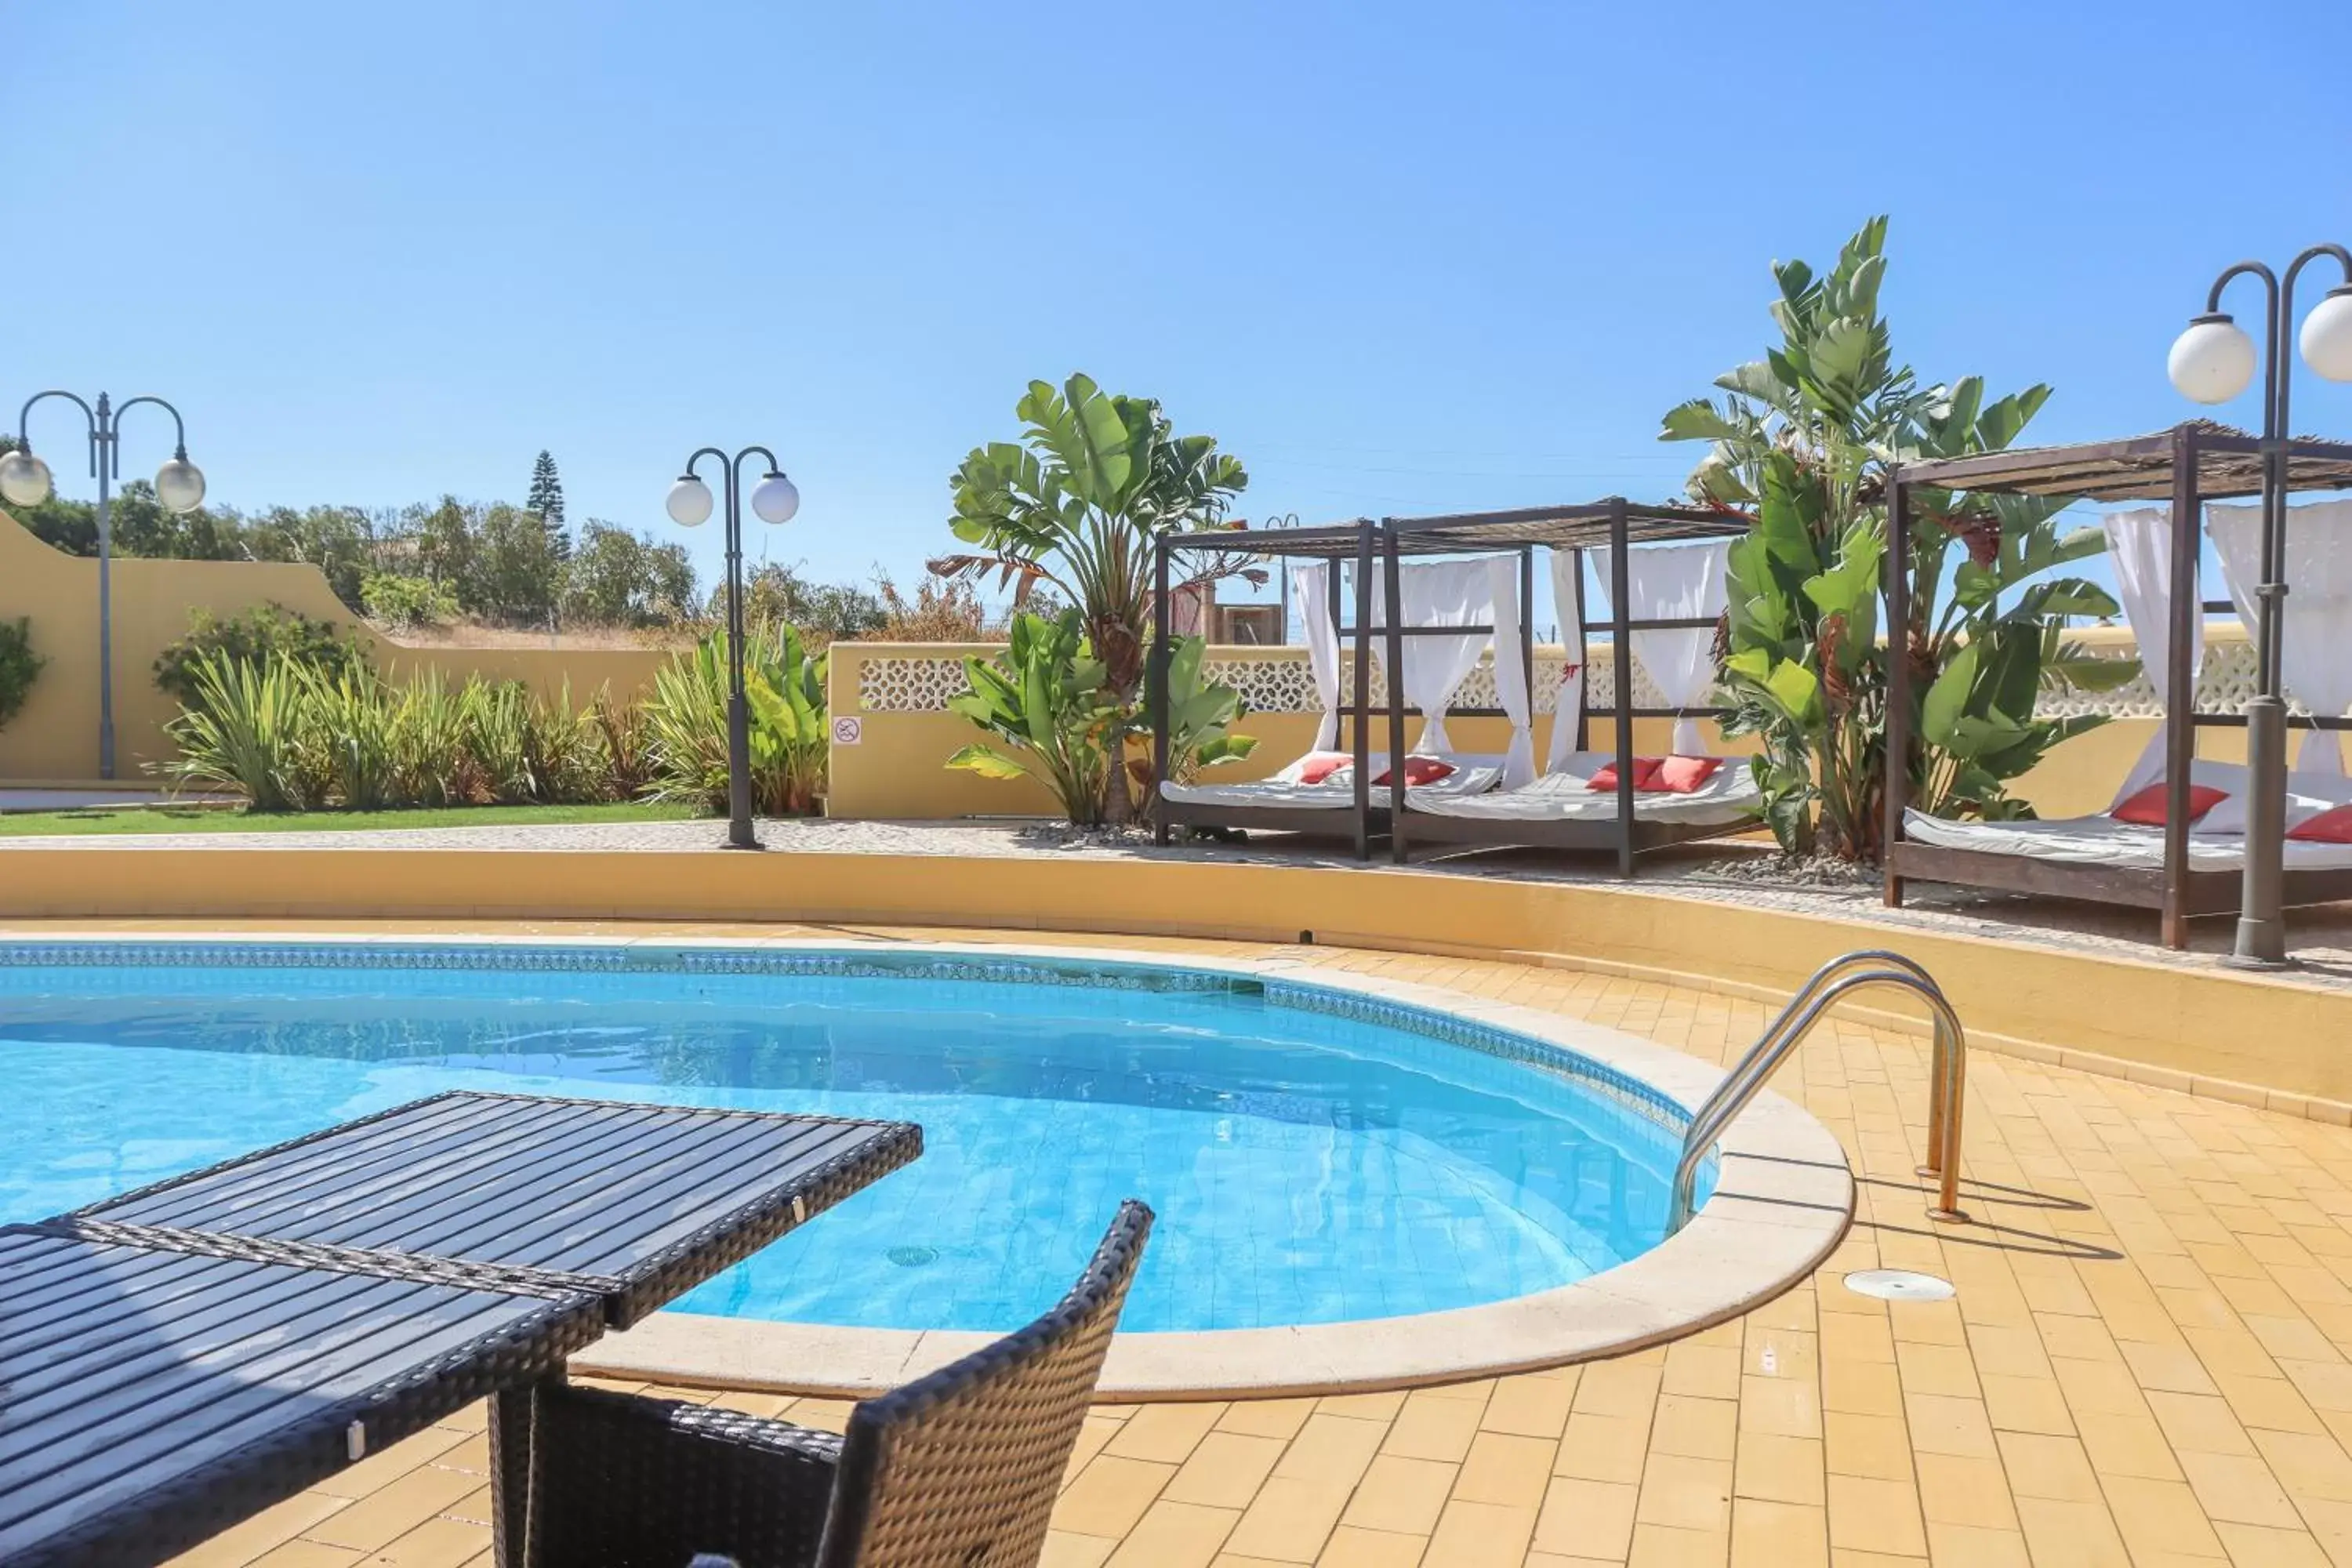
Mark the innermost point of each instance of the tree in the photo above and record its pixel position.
(512, 577)
(546, 503)
(1804, 438)
(1076, 503)
(823, 611)
(623, 579)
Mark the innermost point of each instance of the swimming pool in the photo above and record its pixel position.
(1317, 1156)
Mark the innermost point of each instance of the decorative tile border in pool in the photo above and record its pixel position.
(1619, 1088)
(574, 956)
(636, 957)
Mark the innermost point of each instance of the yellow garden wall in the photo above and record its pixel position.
(897, 769)
(56, 736)
(2155, 1020)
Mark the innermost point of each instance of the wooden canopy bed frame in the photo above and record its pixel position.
(1377, 548)
(2188, 465)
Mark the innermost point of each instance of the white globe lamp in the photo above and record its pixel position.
(24, 479)
(777, 499)
(2326, 338)
(2213, 361)
(689, 502)
(180, 485)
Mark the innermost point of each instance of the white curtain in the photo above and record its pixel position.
(1310, 586)
(1440, 594)
(2316, 653)
(1673, 582)
(1566, 568)
(2140, 542)
(1511, 669)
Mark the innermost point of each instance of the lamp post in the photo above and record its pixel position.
(775, 501)
(26, 481)
(2214, 361)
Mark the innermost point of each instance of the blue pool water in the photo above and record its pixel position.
(1310, 1163)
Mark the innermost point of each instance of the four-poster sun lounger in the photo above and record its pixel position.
(2189, 873)
(1460, 811)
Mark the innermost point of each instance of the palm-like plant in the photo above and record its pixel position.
(1804, 440)
(685, 737)
(250, 731)
(1077, 502)
(1046, 700)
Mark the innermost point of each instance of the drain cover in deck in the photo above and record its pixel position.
(1899, 1285)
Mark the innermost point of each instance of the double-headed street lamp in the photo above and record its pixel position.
(24, 480)
(775, 501)
(2214, 361)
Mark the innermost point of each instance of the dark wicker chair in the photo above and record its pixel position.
(958, 1469)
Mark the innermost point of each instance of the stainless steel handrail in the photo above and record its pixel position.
(1828, 983)
(1752, 1063)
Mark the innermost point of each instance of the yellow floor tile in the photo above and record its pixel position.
(1176, 1535)
(1481, 1535)
(1587, 1518)
(1402, 1495)
(1778, 1534)
(1225, 1470)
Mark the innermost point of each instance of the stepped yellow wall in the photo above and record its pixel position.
(895, 769)
(56, 736)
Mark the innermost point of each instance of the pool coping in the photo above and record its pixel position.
(1784, 1200)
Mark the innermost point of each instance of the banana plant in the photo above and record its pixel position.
(1077, 502)
(1804, 441)
(1048, 703)
(784, 691)
(785, 688)
(1200, 717)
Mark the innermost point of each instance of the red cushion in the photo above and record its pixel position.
(2146, 807)
(1680, 775)
(2334, 826)
(1420, 770)
(1645, 772)
(1322, 766)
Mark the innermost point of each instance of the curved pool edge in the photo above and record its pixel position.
(1784, 1199)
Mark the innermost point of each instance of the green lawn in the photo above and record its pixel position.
(235, 819)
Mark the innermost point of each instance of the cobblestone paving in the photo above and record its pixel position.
(2149, 1361)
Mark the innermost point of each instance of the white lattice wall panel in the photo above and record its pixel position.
(2224, 684)
(910, 684)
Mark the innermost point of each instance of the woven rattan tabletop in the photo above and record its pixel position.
(637, 1203)
(150, 1398)
(184, 1356)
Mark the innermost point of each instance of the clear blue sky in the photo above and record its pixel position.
(1399, 257)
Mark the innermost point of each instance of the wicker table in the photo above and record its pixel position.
(182, 1356)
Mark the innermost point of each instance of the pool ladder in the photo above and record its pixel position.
(1947, 1076)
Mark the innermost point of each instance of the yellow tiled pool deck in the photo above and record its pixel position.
(2149, 1361)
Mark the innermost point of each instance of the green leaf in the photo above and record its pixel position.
(1948, 699)
(978, 759)
(1697, 420)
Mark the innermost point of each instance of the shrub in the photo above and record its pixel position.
(247, 728)
(19, 666)
(260, 637)
(293, 737)
(944, 609)
(1047, 702)
(403, 604)
(627, 737)
(685, 723)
